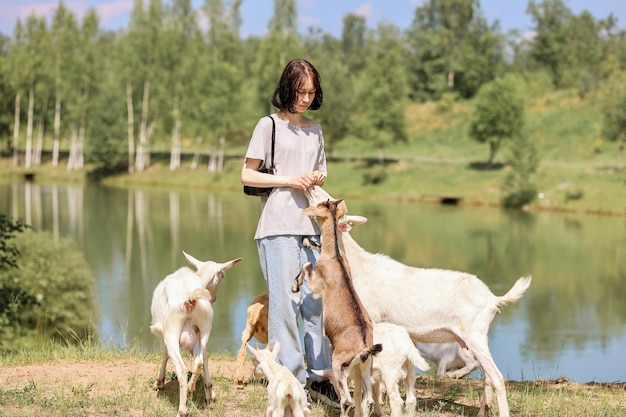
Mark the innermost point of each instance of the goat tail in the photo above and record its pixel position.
(415, 357)
(363, 355)
(194, 296)
(516, 292)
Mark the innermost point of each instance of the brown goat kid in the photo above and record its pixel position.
(256, 326)
(346, 323)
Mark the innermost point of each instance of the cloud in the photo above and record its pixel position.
(364, 10)
(112, 14)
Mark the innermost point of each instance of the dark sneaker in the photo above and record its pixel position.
(324, 392)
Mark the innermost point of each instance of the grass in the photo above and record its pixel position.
(93, 380)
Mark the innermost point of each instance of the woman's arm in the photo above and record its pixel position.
(252, 177)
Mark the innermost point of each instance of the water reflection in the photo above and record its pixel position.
(571, 322)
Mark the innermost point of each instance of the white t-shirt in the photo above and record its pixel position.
(297, 150)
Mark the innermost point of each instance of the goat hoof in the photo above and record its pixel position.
(239, 384)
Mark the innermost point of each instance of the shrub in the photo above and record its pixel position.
(49, 295)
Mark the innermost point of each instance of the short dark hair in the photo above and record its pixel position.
(284, 96)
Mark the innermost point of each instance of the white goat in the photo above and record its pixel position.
(285, 394)
(452, 360)
(256, 326)
(182, 316)
(346, 322)
(396, 362)
(434, 305)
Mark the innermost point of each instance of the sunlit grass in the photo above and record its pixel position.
(131, 394)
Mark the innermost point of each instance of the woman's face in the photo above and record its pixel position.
(304, 95)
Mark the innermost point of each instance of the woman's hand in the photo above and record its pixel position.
(305, 181)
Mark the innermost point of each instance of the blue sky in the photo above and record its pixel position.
(325, 14)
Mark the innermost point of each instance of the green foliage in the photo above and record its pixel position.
(166, 73)
(445, 103)
(614, 112)
(453, 49)
(8, 251)
(375, 175)
(107, 147)
(519, 187)
(379, 116)
(48, 296)
(498, 114)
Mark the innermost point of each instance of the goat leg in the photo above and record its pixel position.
(299, 280)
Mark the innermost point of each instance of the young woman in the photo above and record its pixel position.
(300, 162)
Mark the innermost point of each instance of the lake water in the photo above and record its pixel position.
(571, 322)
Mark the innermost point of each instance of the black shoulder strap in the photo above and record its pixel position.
(273, 142)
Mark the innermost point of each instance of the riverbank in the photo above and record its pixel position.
(563, 187)
(121, 384)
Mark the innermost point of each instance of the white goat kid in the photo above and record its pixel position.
(434, 305)
(182, 316)
(396, 362)
(285, 395)
(452, 360)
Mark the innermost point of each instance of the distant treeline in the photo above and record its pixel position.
(168, 82)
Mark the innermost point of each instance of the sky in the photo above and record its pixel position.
(325, 14)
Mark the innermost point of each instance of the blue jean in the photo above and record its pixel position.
(281, 260)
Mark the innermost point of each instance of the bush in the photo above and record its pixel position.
(49, 294)
(375, 175)
(519, 187)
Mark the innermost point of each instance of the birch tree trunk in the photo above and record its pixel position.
(140, 162)
(620, 160)
(39, 140)
(130, 127)
(56, 142)
(220, 156)
(29, 129)
(71, 160)
(80, 146)
(16, 130)
(175, 152)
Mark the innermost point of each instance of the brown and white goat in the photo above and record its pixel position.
(256, 326)
(434, 305)
(346, 323)
(182, 316)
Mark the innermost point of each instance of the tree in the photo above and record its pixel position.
(453, 49)
(276, 49)
(141, 67)
(614, 111)
(498, 114)
(353, 36)
(219, 89)
(63, 41)
(550, 45)
(86, 77)
(17, 60)
(179, 51)
(519, 187)
(379, 116)
(36, 71)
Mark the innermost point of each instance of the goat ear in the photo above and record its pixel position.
(230, 264)
(344, 227)
(276, 349)
(354, 219)
(193, 260)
